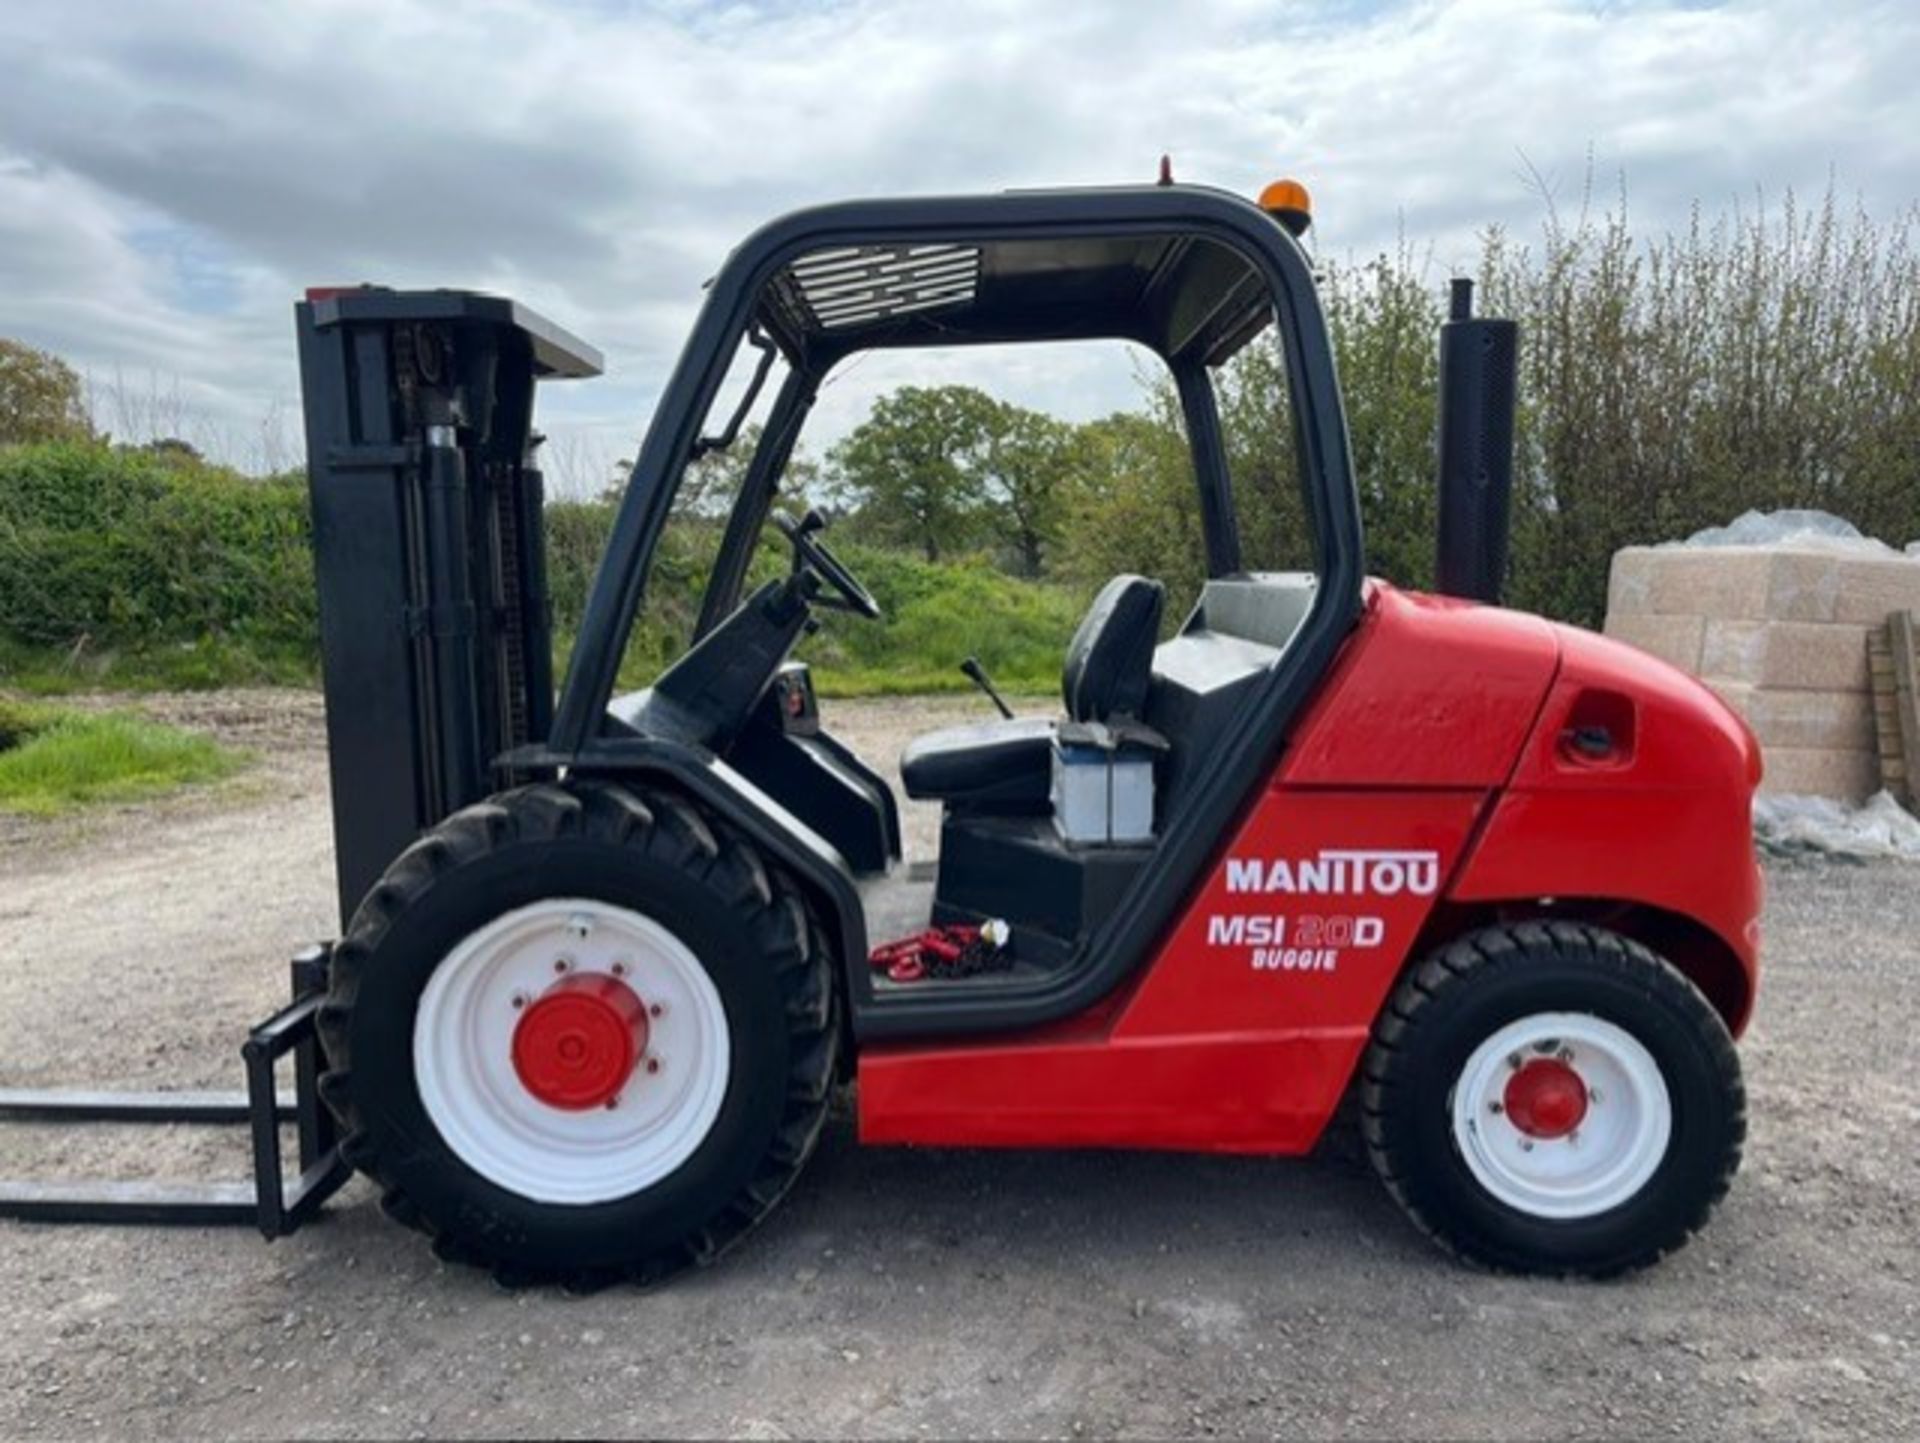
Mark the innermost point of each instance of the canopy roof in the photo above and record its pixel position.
(1175, 294)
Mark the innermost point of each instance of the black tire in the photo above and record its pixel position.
(1459, 997)
(649, 851)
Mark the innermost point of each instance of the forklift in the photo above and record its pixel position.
(606, 957)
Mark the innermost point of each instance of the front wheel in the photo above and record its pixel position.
(1553, 1098)
(581, 1032)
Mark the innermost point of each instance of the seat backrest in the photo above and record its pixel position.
(1110, 660)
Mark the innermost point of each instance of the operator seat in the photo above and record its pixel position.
(1006, 765)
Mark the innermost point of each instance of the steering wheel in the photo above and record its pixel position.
(812, 553)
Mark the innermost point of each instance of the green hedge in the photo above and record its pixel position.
(938, 614)
(151, 568)
(126, 568)
(935, 613)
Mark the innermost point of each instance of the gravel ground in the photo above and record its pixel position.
(908, 1292)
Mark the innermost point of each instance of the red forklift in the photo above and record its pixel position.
(605, 957)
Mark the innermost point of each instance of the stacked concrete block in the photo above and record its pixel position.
(1781, 634)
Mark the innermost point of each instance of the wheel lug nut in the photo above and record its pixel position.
(1495, 1108)
(1513, 1061)
(656, 1010)
(1593, 1095)
(519, 1000)
(612, 1103)
(1526, 1145)
(561, 964)
(653, 1064)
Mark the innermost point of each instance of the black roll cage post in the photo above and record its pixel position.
(1219, 522)
(769, 461)
(763, 343)
(1126, 937)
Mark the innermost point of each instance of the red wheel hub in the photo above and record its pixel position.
(575, 1047)
(1546, 1098)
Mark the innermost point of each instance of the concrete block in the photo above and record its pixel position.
(1854, 590)
(1823, 720)
(1789, 655)
(1820, 720)
(1674, 639)
(1629, 581)
(1803, 586)
(1870, 589)
(1781, 635)
(1731, 581)
(1753, 583)
(1850, 776)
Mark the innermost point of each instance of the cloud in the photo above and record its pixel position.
(173, 173)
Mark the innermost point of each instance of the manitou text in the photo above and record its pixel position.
(1338, 873)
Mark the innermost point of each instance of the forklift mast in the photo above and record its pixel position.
(429, 552)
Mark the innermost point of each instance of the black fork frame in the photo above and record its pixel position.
(272, 1202)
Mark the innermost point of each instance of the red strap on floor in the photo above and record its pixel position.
(907, 959)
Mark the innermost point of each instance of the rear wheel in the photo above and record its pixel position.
(1553, 1098)
(581, 1033)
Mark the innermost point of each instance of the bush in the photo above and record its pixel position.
(136, 568)
(154, 556)
(934, 613)
(1665, 385)
(1754, 361)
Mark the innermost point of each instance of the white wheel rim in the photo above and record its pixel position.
(1617, 1145)
(463, 1054)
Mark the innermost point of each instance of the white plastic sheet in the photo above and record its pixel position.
(1801, 530)
(1797, 825)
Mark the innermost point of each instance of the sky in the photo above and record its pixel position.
(174, 172)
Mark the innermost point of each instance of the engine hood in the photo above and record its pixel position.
(1663, 729)
(1429, 691)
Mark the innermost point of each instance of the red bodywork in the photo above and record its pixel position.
(1449, 772)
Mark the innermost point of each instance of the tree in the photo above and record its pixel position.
(1382, 318)
(1131, 502)
(1029, 461)
(712, 484)
(172, 448)
(913, 468)
(40, 397)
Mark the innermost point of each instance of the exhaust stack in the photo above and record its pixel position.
(1479, 362)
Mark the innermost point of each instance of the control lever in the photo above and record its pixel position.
(977, 674)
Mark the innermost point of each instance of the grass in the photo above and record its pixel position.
(52, 761)
(209, 664)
